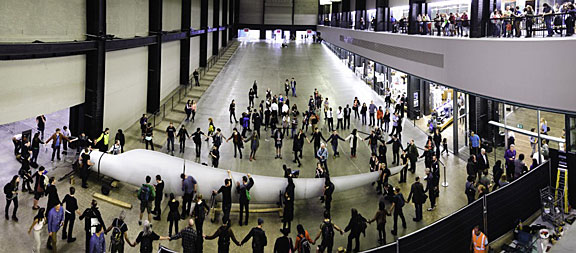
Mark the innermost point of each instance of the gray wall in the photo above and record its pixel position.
(278, 12)
(127, 18)
(40, 86)
(531, 72)
(126, 86)
(45, 20)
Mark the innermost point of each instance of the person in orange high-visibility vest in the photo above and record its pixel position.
(479, 242)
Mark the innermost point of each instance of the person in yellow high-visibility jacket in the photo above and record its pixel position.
(479, 243)
(105, 138)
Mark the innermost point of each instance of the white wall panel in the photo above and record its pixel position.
(194, 53)
(45, 20)
(209, 48)
(535, 74)
(171, 15)
(126, 87)
(195, 14)
(127, 18)
(210, 13)
(40, 86)
(170, 75)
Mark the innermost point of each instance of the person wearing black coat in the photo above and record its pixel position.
(297, 145)
(316, 138)
(224, 234)
(258, 235)
(471, 167)
(437, 138)
(355, 226)
(120, 137)
(382, 149)
(243, 190)
(52, 192)
(328, 190)
(333, 139)
(427, 157)
(497, 173)
(482, 163)
(256, 121)
(396, 147)
(173, 214)
(89, 214)
(431, 188)
(288, 214)
(284, 243)
(418, 198)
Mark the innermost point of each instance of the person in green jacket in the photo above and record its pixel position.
(412, 152)
(146, 195)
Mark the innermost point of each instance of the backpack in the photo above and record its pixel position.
(304, 245)
(144, 193)
(116, 238)
(327, 231)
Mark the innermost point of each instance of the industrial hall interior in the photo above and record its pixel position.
(287, 126)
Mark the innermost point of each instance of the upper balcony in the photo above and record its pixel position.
(535, 71)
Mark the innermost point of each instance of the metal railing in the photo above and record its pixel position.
(526, 25)
(182, 90)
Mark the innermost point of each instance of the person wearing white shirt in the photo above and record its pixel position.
(116, 148)
(340, 117)
(330, 119)
(66, 132)
(285, 109)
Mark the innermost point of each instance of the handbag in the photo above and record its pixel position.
(148, 138)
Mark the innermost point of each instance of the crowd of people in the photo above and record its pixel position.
(285, 121)
(508, 22)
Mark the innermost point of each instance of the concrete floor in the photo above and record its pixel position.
(313, 66)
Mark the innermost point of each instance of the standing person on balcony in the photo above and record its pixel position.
(495, 20)
(517, 14)
(570, 17)
(465, 24)
(529, 16)
(506, 24)
(548, 14)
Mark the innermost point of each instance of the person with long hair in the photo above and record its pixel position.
(173, 214)
(380, 218)
(188, 109)
(37, 225)
(11, 191)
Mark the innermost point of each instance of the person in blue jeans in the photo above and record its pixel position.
(474, 143)
(548, 16)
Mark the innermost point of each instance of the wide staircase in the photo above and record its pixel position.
(172, 107)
